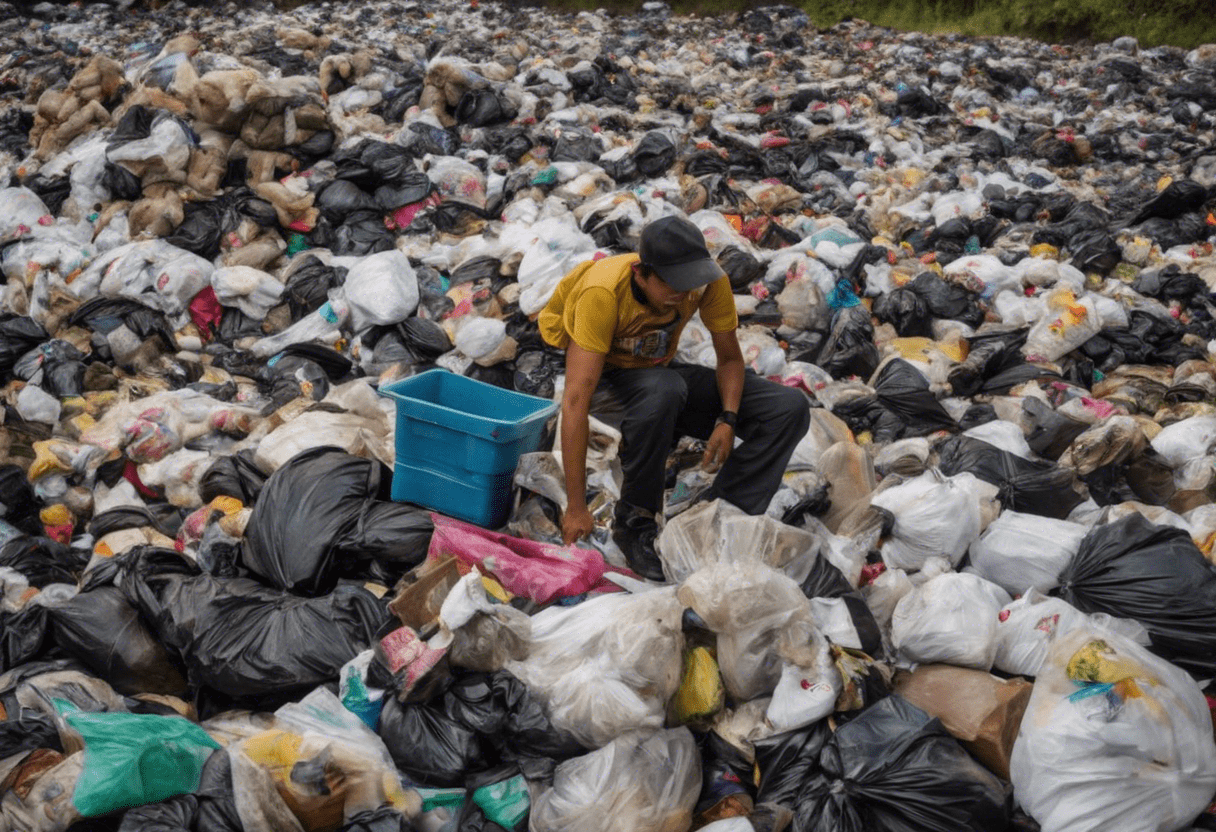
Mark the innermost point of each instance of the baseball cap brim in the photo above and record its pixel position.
(684, 277)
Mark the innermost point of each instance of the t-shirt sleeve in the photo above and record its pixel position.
(718, 306)
(591, 319)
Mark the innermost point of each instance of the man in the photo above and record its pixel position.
(619, 320)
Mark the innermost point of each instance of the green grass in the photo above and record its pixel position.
(1182, 23)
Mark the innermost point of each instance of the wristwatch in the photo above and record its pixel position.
(727, 417)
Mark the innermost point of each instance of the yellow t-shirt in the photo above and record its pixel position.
(594, 306)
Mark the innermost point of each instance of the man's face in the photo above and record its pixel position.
(658, 294)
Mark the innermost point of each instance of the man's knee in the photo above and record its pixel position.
(661, 392)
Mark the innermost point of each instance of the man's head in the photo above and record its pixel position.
(674, 249)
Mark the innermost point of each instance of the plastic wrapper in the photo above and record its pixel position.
(1113, 736)
(951, 619)
(641, 782)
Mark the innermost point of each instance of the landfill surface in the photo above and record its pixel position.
(234, 238)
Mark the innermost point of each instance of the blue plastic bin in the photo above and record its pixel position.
(458, 442)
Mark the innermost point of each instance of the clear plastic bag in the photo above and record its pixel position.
(606, 666)
(934, 515)
(641, 782)
(381, 290)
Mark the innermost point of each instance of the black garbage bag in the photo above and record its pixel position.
(1095, 251)
(654, 154)
(1026, 485)
(18, 335)
(891, 769)
(56, 366)
(217, 810)
(1155, 574)
(536, 372)
(907, 311)
(341, 198)
(1050, 432)
(976, 415)
(24, 636)
(434, 140)
(987, 357)
(576, 144)
(947, 300)
(234, 475)
(177, 814)
(741, 268)
(26, 731)
(473, 724)
(407, 189)
(318, 513)
(165, 518)
(384, 819)
(826, 581)
(849, 348)
(426, 339)
(479, 108)
(902, 390)
(725, 772)
(1178, 198)
(18, 506)
(52, 190)
(1170, 283)
(241, 639)
(121, 183)
(101, 629)
(43, 561)
(104, 315)
(308, 286)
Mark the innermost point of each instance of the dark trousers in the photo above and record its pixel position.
(653, 406)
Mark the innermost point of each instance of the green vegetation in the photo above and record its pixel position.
(1183, 23)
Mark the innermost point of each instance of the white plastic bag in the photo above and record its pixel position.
(1004, 435)
(554, 247)
(36, 405)
(20, 212)
(951, 619)
(1021, 551)
(641, 782)
(1114, 737)
(1185, 440)
(1026, 629)
(1070, 322)
(607, 666)
(253, 291)
(382, 289)
(934, 515)
(480, 337)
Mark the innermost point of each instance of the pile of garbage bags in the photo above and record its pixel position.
(983, 598)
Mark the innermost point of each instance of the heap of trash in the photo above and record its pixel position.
(982, 599)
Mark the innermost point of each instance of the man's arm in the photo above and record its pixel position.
(730, 390)
(583, 369)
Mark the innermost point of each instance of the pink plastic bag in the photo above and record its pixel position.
(540, 571)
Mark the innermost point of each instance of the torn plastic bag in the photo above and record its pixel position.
(840, 610)
(541, 572)
(1024, 551)
(241, 639)
(103, 631)
(606, 666)
(135, 759)
(475, 722)
(1025, 485)
(1048, 433)
(641, 782)
(904, 774)
(1156, 575)
(312, 518)
(1113, 737)
(950, 619)
(1030, 625)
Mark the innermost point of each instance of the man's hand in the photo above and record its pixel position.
(721, 443)
(576, 524)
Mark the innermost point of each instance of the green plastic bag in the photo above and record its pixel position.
(505, 803)
(134, 759)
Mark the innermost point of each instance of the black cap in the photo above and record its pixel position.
(675, 249)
